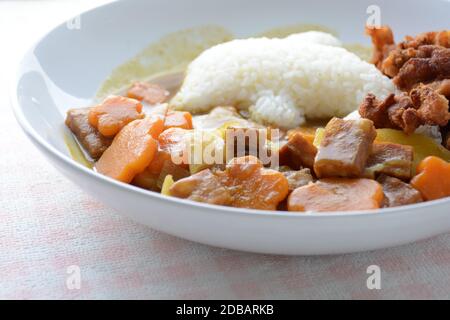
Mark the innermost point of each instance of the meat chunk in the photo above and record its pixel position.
(383, 43)
(148, 93)
(345, 148)
(89, 137)
(442, 87)
(423, 106)
(202, 187)
(297, 179)
(424, 68)
(432, 107)
(298, 152)
(390, 159)
(390, 57)
(398, 193)
(337, 195)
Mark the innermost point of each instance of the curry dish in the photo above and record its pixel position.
(274, 136)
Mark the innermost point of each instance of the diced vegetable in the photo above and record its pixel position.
(337, 195)
(178, 119)
(173, 146)
(114, 113)
(253, 186)
(206, 149)
(433, 178)
(318, 137)
(167, 184)
(244, 184)
(132, 150)
(204, 187)
(148, 92)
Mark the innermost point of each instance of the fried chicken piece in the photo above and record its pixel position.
(383, 43)
(438, 38)
(441, 87)
(432, 107)
(395, 112)
(407, 112)
(390, 58)
(432, 64)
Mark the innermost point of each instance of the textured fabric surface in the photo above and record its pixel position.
(47, 224)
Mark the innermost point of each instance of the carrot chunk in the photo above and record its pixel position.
(337, 194)
(172, 147)
(132, 150)
(178, 119)
(114, 113)
(253, 186)
(433, 178)
(148, 92)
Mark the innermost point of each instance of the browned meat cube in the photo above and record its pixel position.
(298, 152)
(202, 187)
(391, 159)
(89, 137)
(297, 179)
(345, 148)
(398, 193)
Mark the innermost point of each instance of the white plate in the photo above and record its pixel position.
(66, 67)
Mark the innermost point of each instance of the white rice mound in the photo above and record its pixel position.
(281, 81)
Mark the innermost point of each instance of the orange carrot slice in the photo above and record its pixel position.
(132, 150)
(114, 113)
(172, 143)
(178, 119)
(433, 178)
(148, 92)
(337, 195)
(253, 186)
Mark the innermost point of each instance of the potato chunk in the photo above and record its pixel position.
(337, 195)
(398, 193)
(391, 159)
(345, 148)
